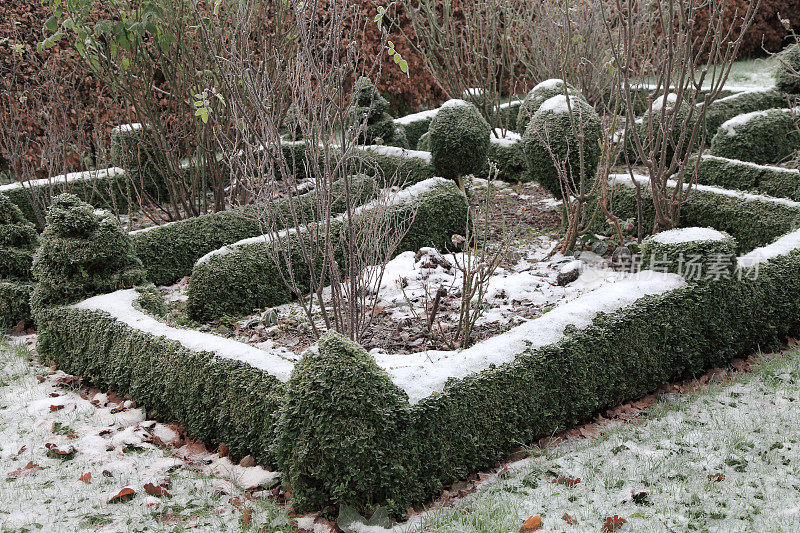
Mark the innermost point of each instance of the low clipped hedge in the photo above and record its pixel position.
(246, 278)
(763, 137)
(732, 174)
(724, 109)
(105, 189)
(512, 166)
(169, 252)
(696, 259)
(751, 222)
(215, 399)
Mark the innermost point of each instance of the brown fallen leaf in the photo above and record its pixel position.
(155, 490)
(533, 523)
(613, 523)
(124, 495)
(86, 477)
(27, 470)
(567, 481)
(22, 450)
(54, 408)
(223, 449)
(717, 477)
(247, 515)
(569, 520)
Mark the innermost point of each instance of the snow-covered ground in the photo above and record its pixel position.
(65, 454)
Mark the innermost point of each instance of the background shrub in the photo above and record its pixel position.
(82, 253)
(459, 140)
(371, 112)
(535, 98)
(18, 241)
(787, 76)
(552, 125)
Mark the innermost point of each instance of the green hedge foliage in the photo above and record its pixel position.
(787, 76)
(82, 253)
(215, 399)
(246, 279)
(703, 258)
(416, 128)
(552, 124)
(169, 252)
(724, 109)
(763, 137)
(348, 451)
(372, 110)
(18, 241)
(731, 174)
(512, 166)
(459, 140)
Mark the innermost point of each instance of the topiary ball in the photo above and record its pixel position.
(459, 140)
(536, 97)
(339, 428)
(787, 76)
(697, 254)
(552, 125)
(83, 252)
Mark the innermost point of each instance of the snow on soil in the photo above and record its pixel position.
(722, 460)
(108, 445)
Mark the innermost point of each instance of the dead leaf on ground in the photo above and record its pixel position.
(124, 495)
(533, 523)
(567, 481)
(613, 523)
(86, 477)
(247, 515)
(569, 520)
(155, 490)
(716, 477)
(27, 470)
(54, 408)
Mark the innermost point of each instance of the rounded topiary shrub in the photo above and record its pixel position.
(762, 137)
(339, 429)
(18, 241)
(787, 75)
(459, 140)
(552, 125)
(83, 252)
(371, 111)
(697, 254)
(536, 97)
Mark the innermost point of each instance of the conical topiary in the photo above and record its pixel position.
(18, 241)
(536, 97)
(83, 252)
(373, 109)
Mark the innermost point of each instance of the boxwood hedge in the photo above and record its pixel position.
(169, 252)
(762, 137)
(731, 174)
(724, 109)
(246, 278)
(18, 241)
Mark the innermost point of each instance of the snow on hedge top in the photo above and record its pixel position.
(750, 164)
(64, 178)
(659, 103)
(417, 117)
(682, 235)
(390, 198)
(126, 128)
(455, 102)
(558, 104)
(552, 83)
(505, 138)
(740, 120)
(120, 306)
(783, 246)
(426, 373)
(394, 151)
(644, 181)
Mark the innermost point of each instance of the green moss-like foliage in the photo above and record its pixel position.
(424, 142)
(724, 109)
(535, 98)
(18, 241)
(697, 261)
(763, 137)
(347, 452)
(512, 166)
(372, 108)
(82, 253)
(459, 139)
(787, 76)
(552, 124)
(731, 174)
(415, 129)
(246, 278)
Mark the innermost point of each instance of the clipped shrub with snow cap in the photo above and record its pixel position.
(371, 111)
(552, 126)
(18, 241)
(697, 254)
(720, 111)
(83, 252)
(536, 97)
(347, 453)
(459, 140)
(762, 137)
(787, 76)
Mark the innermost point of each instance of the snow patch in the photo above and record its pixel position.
(455, 102)
(559, 105)
(505, 138)
(394, 151)
(682, 235)
(783, 246)
(64, 179)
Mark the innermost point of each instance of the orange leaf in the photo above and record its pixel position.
(247, 515)
(569, 520)
(155, 490)
(124, 495)
(27, 470)
(716, 477)
(54, 408)
(613, 523)
(568, 481)
(533, 523)
(86, 477)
